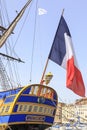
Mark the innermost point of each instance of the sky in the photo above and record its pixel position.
(45, 27)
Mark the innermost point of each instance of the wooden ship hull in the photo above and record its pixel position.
(31, 107)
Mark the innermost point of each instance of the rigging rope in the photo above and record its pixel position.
(7, 46)
(3, 15)
(21, 28)
(32, 55)
(20, 31)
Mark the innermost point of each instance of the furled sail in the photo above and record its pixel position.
(9, 30)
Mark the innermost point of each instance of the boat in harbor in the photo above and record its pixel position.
(30, 107)
(27, 107)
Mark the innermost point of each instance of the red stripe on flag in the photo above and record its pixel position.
(74, 78)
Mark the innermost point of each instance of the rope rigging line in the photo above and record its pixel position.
(32, 55)
(18, 36)
(8, 46)
(4, 15)
(20, 31)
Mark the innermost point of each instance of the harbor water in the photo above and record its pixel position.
(78, 127)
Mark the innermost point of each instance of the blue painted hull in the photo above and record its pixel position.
(30, 106)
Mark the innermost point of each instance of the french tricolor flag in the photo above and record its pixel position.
(63, 54)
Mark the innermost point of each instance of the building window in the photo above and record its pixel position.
(2, 109)
(40, 109)
(51, 112)
(7, 108)
(35, 108)
(30, 109)
(20, 107)
(45, 110)
(25, 107)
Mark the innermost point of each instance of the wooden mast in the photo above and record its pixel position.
(9, 30)
(42, 78)
(10, 57)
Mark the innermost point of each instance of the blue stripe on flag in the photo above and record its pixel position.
(58, 49)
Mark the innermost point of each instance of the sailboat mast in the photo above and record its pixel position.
(9, 30)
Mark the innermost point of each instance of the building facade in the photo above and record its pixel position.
(72, 113)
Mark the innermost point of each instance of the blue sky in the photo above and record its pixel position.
(75, 14)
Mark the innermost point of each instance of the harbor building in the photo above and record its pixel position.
(72, 113)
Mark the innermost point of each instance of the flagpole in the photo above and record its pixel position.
(62, 12)
(42, 78)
